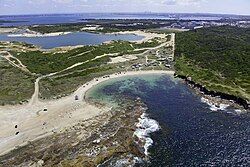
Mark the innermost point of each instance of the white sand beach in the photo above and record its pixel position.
(41, 118)
(4, 30)
(36, 34)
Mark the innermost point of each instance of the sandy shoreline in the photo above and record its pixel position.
(147, 35)
(46, 117)
(4, 30)
(36, 34)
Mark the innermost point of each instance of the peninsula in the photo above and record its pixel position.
(43, 92)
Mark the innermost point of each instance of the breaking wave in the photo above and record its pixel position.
(144, 128)
(213, 106)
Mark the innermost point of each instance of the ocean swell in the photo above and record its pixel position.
(144, 128)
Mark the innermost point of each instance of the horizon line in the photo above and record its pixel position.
(71, 13)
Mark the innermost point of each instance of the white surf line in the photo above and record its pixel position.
(145, 127)
(214, 106)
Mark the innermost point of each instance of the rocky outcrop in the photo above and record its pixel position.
(240, 101)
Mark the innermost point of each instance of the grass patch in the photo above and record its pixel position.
(15, 85)
(44, 63)
(63, 85)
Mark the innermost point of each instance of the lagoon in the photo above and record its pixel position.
(71, 39)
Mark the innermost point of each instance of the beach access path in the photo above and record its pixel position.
(23, 123)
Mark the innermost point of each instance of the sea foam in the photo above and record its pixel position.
(213, 107)
(144, 128)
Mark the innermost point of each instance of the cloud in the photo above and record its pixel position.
(77, 6)
(182, 2)
(63, 1)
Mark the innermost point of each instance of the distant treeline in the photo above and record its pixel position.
(106, 24)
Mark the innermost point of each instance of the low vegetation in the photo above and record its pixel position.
(41, 62)
(15, 85)
(217, 57)
(69, 68)
(107, 25)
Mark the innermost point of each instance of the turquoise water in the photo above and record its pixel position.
(191, 133)
(101, 93)
(72, 39)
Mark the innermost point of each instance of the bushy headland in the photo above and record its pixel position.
(217, 58)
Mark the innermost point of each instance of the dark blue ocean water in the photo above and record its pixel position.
(21, 20)
(73, 39)
(191, 134)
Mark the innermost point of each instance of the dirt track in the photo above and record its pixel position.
(40, 118)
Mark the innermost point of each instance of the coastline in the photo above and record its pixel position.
(36, 34)
(137, 129)
(45, 117)
(147, 35)
(87, 86)
(216, 99)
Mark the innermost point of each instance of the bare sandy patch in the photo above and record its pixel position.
(121, 59)
(147, 35)
(21, 124)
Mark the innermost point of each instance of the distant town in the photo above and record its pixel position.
(133, 20)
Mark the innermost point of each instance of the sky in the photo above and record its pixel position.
(16, 7)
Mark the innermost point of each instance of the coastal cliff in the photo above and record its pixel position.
(215, 64)
(238, 100)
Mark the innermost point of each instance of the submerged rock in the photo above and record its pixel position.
(104, 140)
